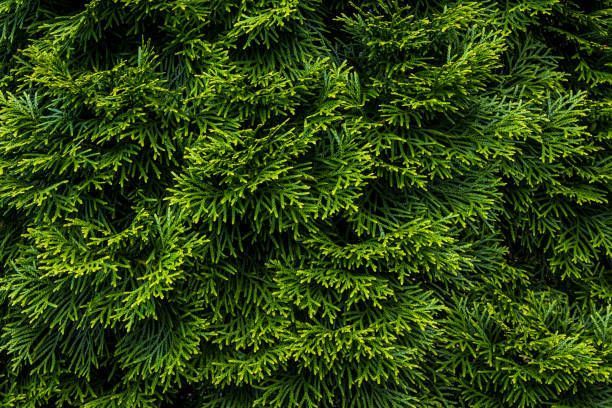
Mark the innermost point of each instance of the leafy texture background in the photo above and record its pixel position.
(313, 203)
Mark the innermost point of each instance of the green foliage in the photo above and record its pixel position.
(224, 204)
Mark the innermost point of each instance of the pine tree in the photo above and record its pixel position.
(283, 203)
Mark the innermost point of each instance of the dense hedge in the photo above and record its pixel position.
(305, 203)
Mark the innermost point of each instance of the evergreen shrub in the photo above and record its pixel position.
(305, 203)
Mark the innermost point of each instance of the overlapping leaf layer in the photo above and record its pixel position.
(305, 203)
